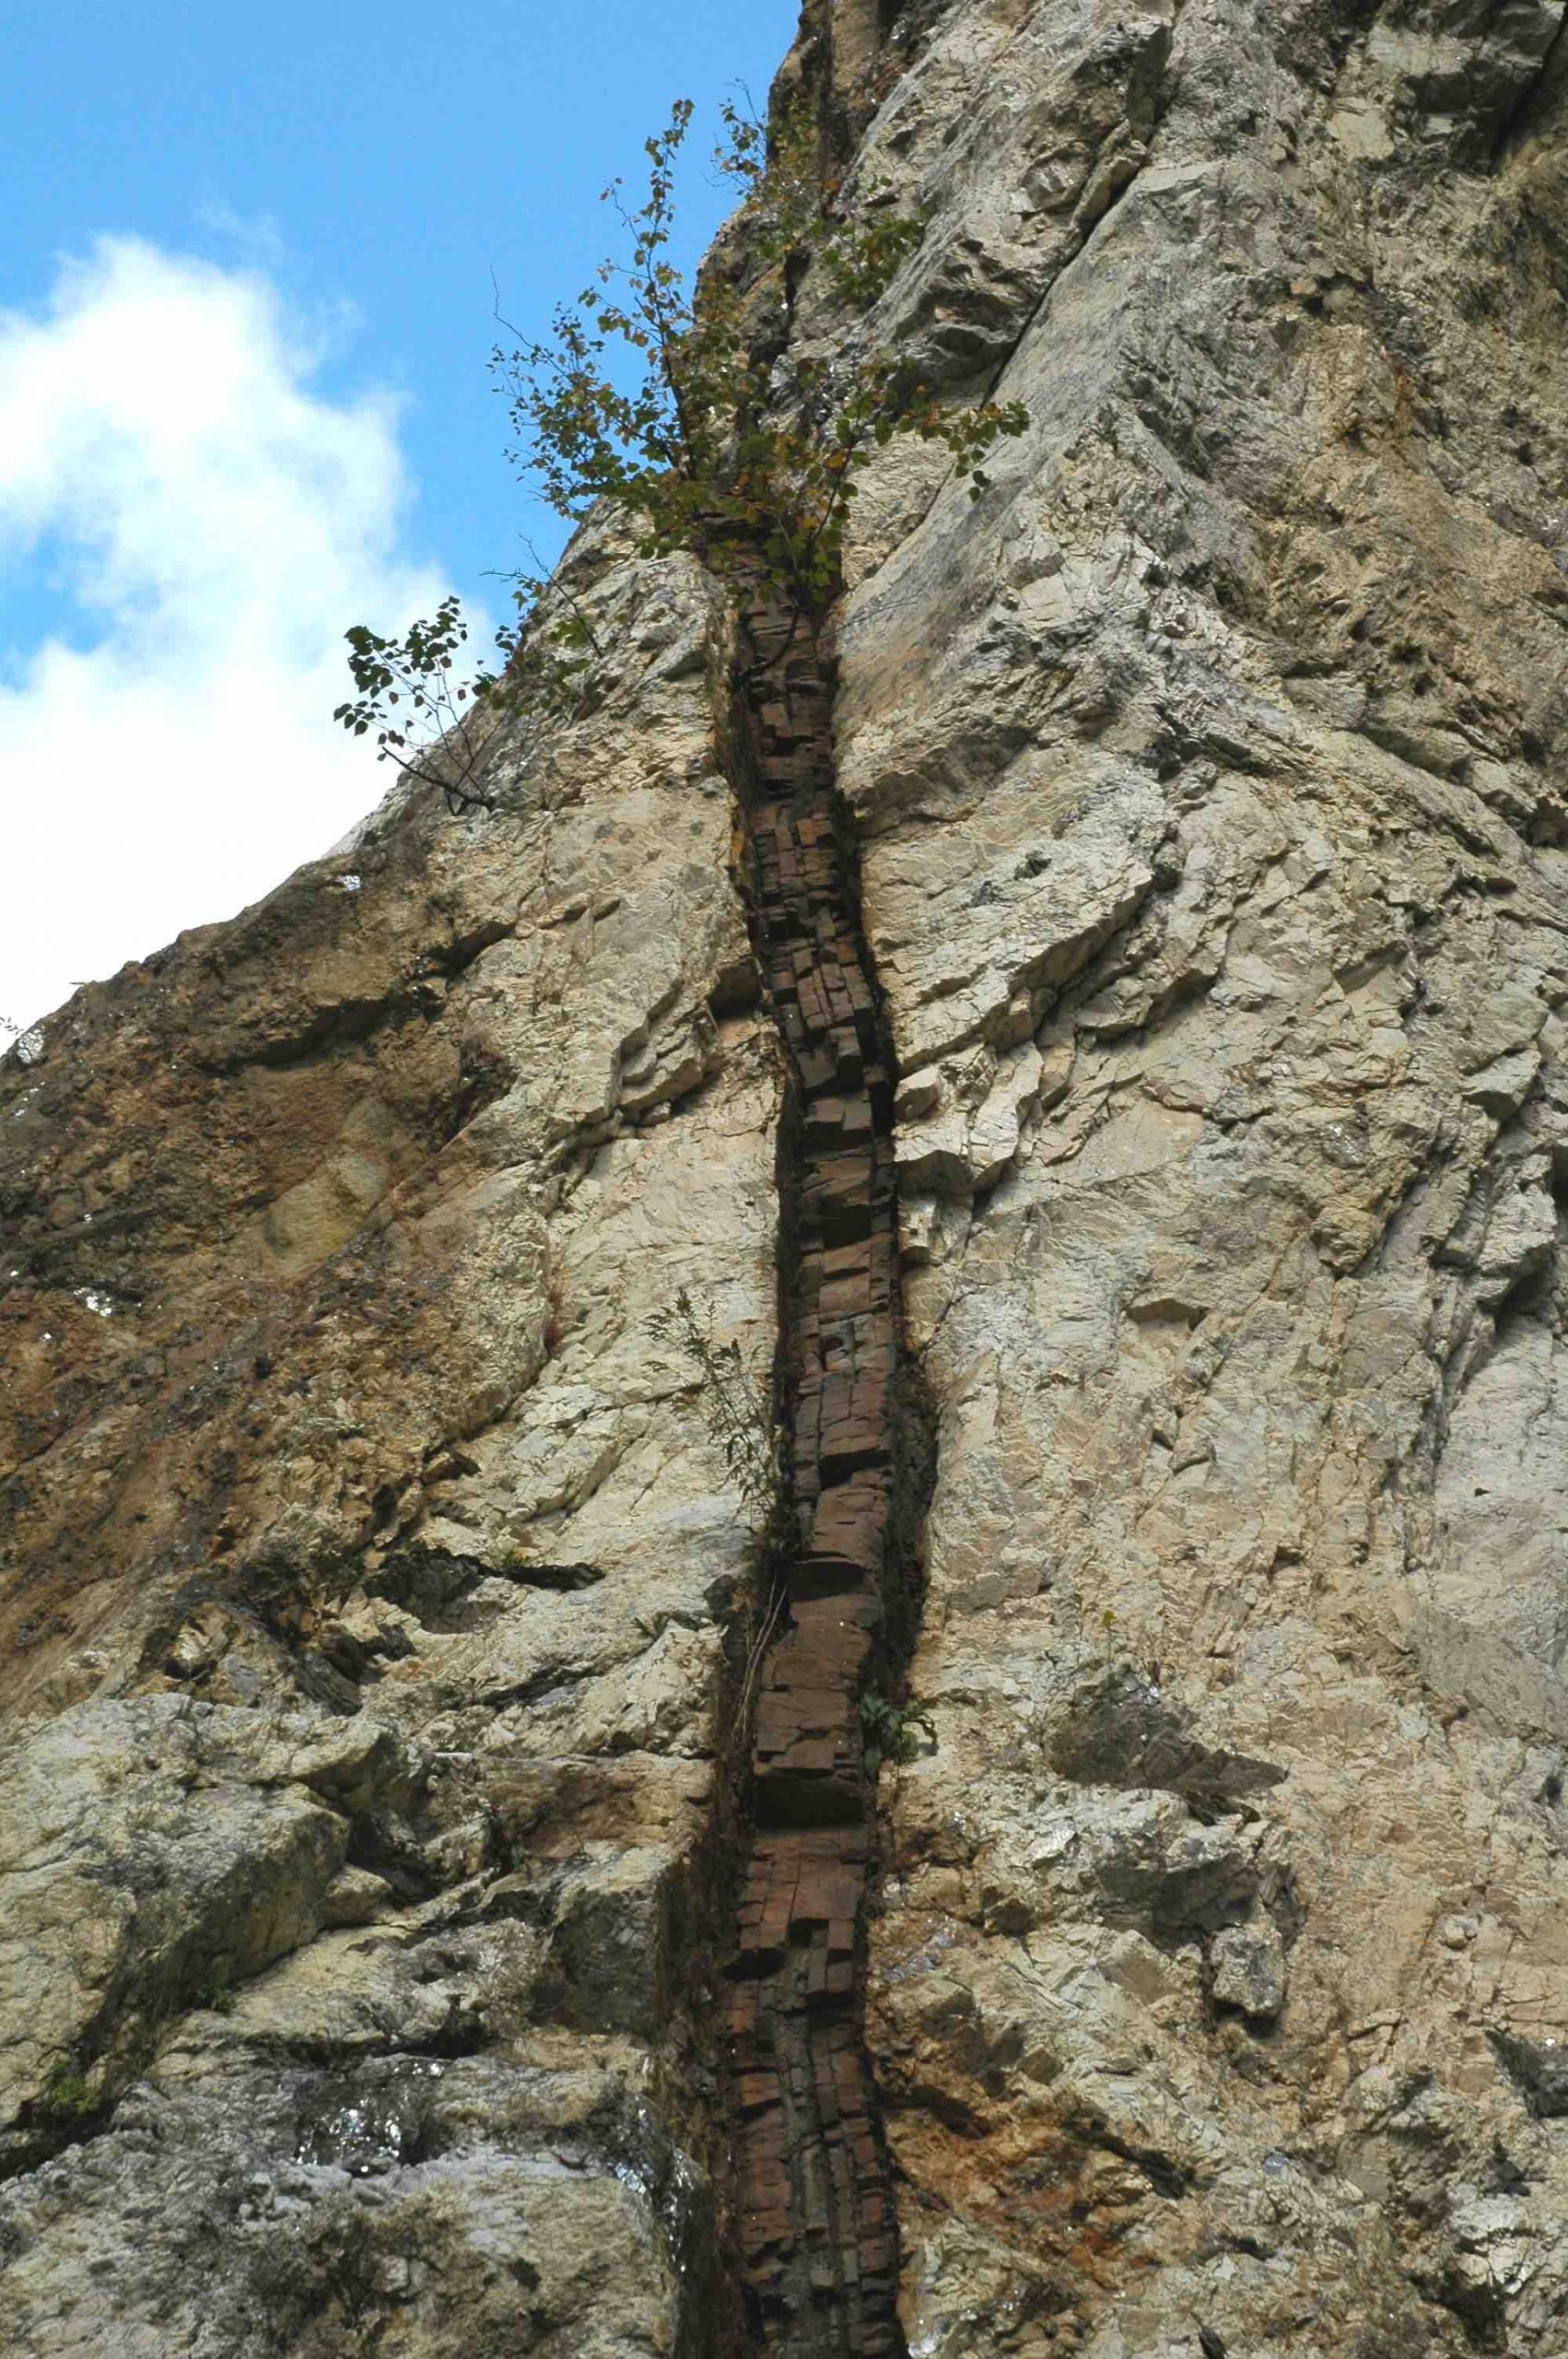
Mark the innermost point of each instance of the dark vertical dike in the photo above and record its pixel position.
(815, 2217)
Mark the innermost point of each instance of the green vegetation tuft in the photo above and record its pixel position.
(217, 1993)
(658, 396)
(738, 1411)
(68, 2095)
(896, 1732)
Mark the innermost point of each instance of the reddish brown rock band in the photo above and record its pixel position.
(815, 2212)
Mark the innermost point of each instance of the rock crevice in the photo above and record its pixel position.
(816, 2219)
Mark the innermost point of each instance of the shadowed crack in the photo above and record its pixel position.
(817, 2228)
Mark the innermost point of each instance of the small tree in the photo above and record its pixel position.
(417, 672)
(698, 443)
(415, 691)
(654, 394)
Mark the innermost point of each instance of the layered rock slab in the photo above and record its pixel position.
(815, 2205)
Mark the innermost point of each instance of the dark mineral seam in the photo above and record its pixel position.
(816, 2222)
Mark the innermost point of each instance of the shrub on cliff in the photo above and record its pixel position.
(660, 396)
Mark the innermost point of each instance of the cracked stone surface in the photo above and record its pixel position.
(368, 1560)
(1209, 767)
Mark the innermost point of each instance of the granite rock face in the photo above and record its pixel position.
(376, 1598)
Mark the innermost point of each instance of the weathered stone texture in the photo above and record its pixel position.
(372, 1547)
(1211, 773)
(814, 2203)
(371, 1563)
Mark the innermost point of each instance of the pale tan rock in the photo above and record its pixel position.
(1247, 1366)
(1250, 1969)
(355, 1896)
(370, 1554)
(1210, 773)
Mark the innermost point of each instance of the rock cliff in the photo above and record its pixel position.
(1091, 1878)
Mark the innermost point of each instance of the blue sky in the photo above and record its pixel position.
(245, 306)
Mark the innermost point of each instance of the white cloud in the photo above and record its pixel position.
(218, 525)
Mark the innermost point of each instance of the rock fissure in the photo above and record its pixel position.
(817, 2226)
